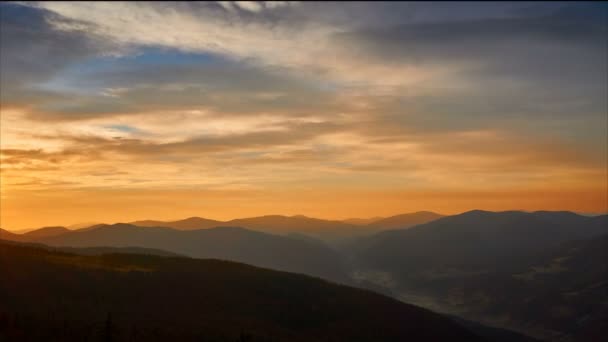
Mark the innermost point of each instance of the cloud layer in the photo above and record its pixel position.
(304, 98)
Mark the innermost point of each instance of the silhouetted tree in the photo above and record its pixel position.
(107, 330)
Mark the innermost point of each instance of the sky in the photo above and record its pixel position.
(113, 112)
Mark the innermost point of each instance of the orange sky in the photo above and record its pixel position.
(40, 208)
(118, 112)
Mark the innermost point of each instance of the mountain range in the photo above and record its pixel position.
(540, 273)
(274, 224)
(327, 230)
(314, 227)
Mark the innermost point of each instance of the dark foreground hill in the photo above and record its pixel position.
(55, 296)
(96, 250)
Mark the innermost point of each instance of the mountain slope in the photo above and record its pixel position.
(561, 293)
(119, 297)
(362, 221)
(82, 225)
(6, 235)
(475, 264)
(476, 239)
(34, 234)
(405, 220)
(278, 224)
(228, 243)
(96, 250)
(44, 232)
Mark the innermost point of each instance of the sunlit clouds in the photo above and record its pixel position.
(124, 111)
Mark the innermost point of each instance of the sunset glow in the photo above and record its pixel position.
(119, 112)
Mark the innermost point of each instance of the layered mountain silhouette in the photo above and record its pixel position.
(273, 224)
(301, 224)
(540, 273)
(50, 295)
(318, 228)
(328, 230)
(228, 243)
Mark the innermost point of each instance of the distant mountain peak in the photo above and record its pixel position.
(196, 218)
(406, 220)
(477, 212)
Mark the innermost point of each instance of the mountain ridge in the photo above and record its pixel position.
(405, 220)
(228, 243)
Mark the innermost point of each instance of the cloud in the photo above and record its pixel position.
(270, 96)
(28, 39)
(301, 45)
(254, 6)
(34, 51)
(496, 61)
(557, 57)
(328, 150)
